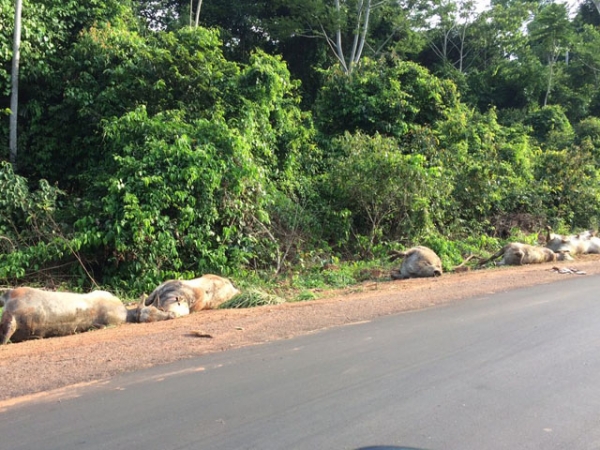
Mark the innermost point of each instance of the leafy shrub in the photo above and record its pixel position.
(389, 195)
(30, 237)
(588, 135)
(179, 199)
(569, 184)
(489, 168)
(385, 96)
(551, 126)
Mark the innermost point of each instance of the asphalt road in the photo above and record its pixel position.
(517, 370)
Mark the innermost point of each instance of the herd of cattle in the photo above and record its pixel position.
(31, 313)
(423, 262)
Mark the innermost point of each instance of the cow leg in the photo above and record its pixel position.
(8, 326)
(153, 314)
(520, 255)
(397, 275)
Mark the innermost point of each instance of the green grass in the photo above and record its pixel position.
(252, 298)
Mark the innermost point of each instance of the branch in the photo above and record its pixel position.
(274, 240)
(356, 32)
(365, 30)
(332, 46)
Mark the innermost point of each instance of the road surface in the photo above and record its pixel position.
(516, 370)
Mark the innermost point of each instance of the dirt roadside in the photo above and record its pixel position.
(36, 366)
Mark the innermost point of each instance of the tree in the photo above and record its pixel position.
(552, 38)
(587, 13)
(344, 25)
(491, 48)
(14, 99)
(164, 14)
(198, 13)
(50, 27)
(361, 28)
(450, 35)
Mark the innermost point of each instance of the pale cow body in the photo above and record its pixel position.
(417, 262)
(516, 254)
(575, 244)
(176, 298)
(34, 313)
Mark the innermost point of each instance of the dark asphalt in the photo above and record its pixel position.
(517, 370)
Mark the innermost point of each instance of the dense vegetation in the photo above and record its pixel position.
(286, 136)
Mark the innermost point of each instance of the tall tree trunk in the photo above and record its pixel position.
(550, 79)
(361, 30)
(365, 30)
(198, 13)
(14, 97)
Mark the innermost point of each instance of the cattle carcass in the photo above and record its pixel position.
(34, 313)
(575, 244)
(515, 254)
(417, 262)
(176, 298)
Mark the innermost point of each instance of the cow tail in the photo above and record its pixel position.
(496, 255)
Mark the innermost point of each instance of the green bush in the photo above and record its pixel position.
(551, 127)
(31, 240)
(385, 96)
(569, 184)
(389, 195)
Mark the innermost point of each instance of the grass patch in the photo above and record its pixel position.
(305, 296)
(252, 298)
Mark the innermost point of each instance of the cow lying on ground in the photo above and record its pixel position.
(34, 313)
(418, 261)
(575, 244)
(516, 254)
(176, 298)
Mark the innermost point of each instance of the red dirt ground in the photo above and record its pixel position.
(42, 365)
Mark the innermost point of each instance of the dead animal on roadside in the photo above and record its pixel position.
(176, 298)
(34, 313)
(576, 244)
(417, 262)
(515, 254)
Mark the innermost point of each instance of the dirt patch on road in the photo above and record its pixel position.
(35, 366)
